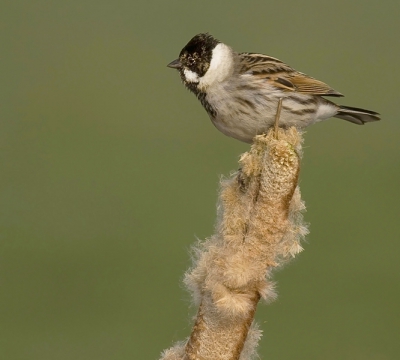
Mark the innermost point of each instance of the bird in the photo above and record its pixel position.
(245, 94)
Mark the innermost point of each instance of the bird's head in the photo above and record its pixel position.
(203, 61)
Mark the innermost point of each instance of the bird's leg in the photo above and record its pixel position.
(277, 115)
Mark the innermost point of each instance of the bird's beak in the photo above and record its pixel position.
(176, 64)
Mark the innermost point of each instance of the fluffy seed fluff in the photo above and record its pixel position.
(259, 228)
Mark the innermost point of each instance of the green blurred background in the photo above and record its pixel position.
(109, 172)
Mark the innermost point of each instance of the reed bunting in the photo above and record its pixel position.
(246, 93)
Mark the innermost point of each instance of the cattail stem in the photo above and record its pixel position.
(259, 228)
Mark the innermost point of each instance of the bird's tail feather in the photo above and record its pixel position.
(356, 115)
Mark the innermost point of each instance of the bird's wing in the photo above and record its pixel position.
(282, 76)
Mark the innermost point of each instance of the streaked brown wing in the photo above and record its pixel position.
(282, 76)
(308, 85)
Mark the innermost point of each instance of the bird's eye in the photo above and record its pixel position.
(191, 61)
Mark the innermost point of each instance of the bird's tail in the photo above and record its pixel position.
(356, 115)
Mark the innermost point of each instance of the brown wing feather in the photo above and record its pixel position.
(282, 76)
(308, 85)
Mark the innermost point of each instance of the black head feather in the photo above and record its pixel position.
(196, 55)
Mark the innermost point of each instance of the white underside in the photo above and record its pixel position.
(325, 111)
(243, 123)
